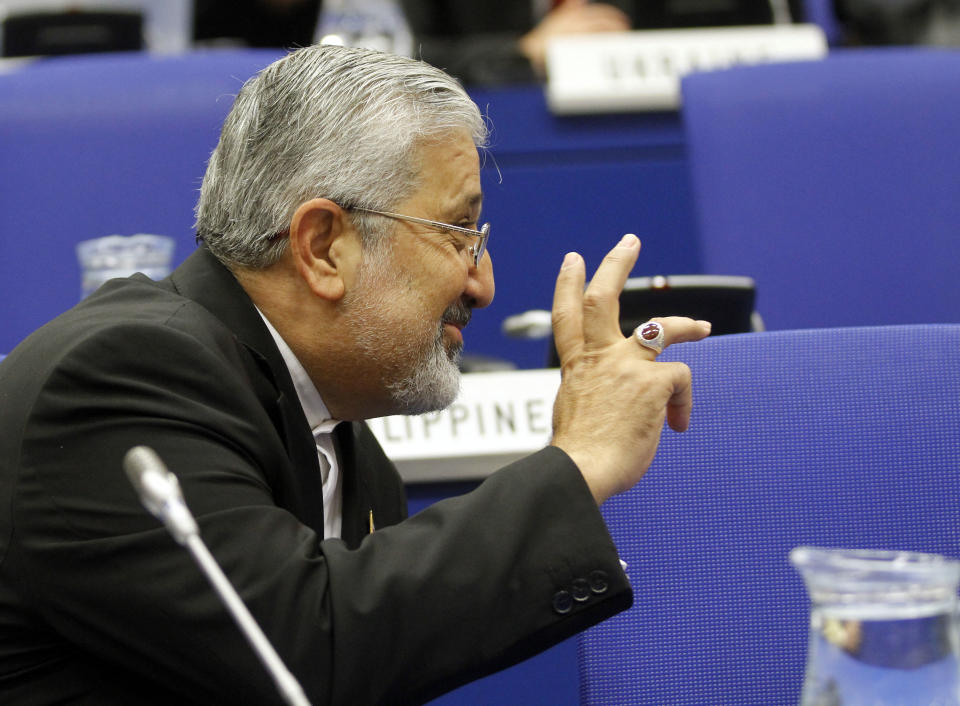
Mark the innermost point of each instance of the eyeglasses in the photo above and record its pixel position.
(476, 250)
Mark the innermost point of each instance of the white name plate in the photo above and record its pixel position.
(640, 71)
(498, 418)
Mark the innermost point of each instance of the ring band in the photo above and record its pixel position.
(650, 335)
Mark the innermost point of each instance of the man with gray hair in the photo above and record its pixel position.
(340, 259)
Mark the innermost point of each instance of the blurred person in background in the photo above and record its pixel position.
(504, 41)
(256, 23)
(899, 22)
(480, 42)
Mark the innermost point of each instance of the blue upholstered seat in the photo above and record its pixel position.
(98, 145)
(833, 437)
(834, 184)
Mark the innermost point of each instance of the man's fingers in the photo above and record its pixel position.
(681, 401)
(601, 301)
(567, 311)
(680, 329)
(677, 329)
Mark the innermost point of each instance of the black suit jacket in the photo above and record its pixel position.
(98, 604)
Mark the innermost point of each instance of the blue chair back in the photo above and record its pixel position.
(826, 437)
(100, 145)
(823, 14)
(834, 184)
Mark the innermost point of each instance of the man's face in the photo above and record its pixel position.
(410, 302)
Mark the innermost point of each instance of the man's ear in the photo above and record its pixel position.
(324, 247)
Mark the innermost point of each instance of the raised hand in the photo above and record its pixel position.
(614, 395)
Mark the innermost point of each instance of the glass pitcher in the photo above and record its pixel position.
(122, 255)
(883, 628)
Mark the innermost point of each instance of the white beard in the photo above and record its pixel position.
(420, 374)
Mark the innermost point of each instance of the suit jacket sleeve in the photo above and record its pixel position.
(468, 586)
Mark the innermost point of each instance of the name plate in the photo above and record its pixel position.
(498, 417)
(641, 71)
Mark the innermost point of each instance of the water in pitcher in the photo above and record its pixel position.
(883, 628)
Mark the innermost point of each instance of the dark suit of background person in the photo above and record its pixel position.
(98, 604)
(876, 22)
(478, 41)
(256, 23)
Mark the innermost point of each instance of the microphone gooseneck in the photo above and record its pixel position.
(160, 493)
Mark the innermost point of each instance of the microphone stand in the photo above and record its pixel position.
(287, 684)
(159, 491)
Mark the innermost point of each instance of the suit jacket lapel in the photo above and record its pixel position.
(371, 483)
(206, 281)
(355, 506)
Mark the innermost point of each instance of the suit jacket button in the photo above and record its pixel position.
(581, 590)
(562, 602)
(598, 582)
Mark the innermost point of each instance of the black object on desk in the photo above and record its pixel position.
(72, 32)
(726, 301)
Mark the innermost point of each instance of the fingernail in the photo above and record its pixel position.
(570, 260)
(628, 240)
(705, 324)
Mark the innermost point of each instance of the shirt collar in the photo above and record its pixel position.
(318, 417)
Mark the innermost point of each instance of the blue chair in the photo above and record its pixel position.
(822, 14)
(833, 184)
(99, 145)
(829, 437)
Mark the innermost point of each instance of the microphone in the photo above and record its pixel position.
(532, 324)
(159, 491)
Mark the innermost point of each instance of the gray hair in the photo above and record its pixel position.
(324, 121)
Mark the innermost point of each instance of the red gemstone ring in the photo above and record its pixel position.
(650, 335)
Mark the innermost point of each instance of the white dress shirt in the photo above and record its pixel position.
(318, 417)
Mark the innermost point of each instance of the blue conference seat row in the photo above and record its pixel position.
(833, 184)
(825, 437)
